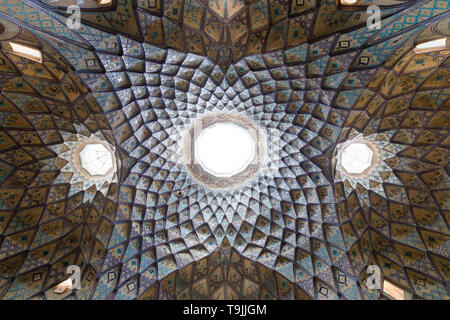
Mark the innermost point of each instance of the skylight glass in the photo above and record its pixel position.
(25, 51)
(224, 149)
(431, 45)
(393, 291)
(348, 2)
(96, 159)
(103, 2)
(356, 157)
(63, 286)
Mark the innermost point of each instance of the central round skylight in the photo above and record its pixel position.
(96, 159)
(224, 149)
(356, 157)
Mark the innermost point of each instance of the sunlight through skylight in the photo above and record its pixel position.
(26, 52)
(356, 157)
(431, 45)
(96, 159)
(224, 149)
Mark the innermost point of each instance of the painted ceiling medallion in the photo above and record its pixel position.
(361, 160)
(91, 163)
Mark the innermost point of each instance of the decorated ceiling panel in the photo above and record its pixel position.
(137, 75)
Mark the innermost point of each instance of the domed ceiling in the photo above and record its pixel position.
(137, 74)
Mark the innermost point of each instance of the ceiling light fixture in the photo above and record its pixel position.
(23, 51)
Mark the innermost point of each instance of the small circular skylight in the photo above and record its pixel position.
(224, 149)
(356, 157)
(96, 159)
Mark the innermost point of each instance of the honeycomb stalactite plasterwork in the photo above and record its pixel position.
(137, 77)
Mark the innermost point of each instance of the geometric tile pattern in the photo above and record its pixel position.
(224, 31)
(310, 74)
(71, 172)
(379, 173)
(224, 275)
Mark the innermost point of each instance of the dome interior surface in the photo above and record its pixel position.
(310, 74)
